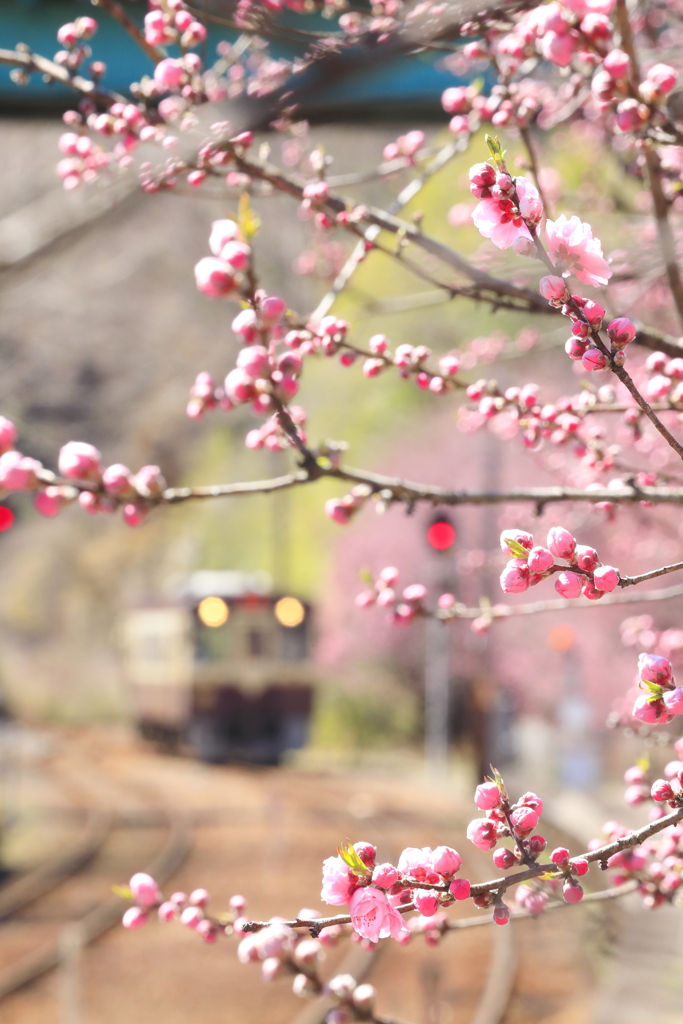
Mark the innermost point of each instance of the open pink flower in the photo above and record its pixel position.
(372, 915)
(573, 249)
(338, 882)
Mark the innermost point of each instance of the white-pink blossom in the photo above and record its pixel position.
(573, 249)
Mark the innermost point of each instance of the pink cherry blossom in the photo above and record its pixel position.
(573, 249)
(498, 219)
(514, 578)
(372, 915)
(169, 73)
(652, 712)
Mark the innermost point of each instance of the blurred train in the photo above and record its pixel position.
(224, 669)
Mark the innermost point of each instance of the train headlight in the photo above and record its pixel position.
(289, 612)
(213, 611)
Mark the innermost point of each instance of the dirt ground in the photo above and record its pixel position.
(262, 833)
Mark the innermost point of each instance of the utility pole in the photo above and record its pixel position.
(440, 538)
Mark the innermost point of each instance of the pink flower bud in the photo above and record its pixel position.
(553, 289)
(460, 888)
(80, 461)
(245, 322)
(236, 255)
(191, 917)
(617, 63)
(586, 558)
(663, 77)
(628, 115)
(449, 364)
(446, 601)
(514, 578)
(653, 712)
(364, 998)
(606, 578)
(254, 361)
(415, 593)
(134, 918)
(519, 537)
(501, 913)
(524, 820)
(169, 73)
(8, 435)
(199, 897)
(568, 584)
(426, 902)
(621, 331)
(561, 543)
(593, 359)
(214, 277)
(168, 911)
(487, 796)
(446, 861)
(576, 348)
(572, 892)
(482, 833)
(239, 386)
(339, 511)
(540, 560)
(272, 307)
(504, 858)
(673, 701)
(385, 875)
(661, 791)
(455, 101)
(145, 890)
(579, 866)
(655, 669)
(67, 34)
(238, 903)
(51, 501)
(134, 514)
(635, 776)
(635, 795)
(118, 480)
(378, 344)
(560, 856)
(149, 481)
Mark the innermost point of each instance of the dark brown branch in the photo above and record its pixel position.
(630, 581)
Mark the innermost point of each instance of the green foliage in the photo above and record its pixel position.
(361, 721)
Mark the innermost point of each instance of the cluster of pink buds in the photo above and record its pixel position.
(529, 564)
(222, 273)
(657, 864)
(612, 91)
(96, 489)
(423, 879)
(190, 911)
(73, 37)
(665, 378)
(406, 147)
(508, 207)
(171, 22)
(662, 699)
(280, 950)
(403, 606)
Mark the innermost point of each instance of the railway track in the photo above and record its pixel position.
(265, 833)
(101, 822)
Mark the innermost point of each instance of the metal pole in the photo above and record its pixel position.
(437, 679)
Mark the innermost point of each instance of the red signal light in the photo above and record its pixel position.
(441, 535)
(6, 517)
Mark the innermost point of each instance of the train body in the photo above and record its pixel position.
(224, 669)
